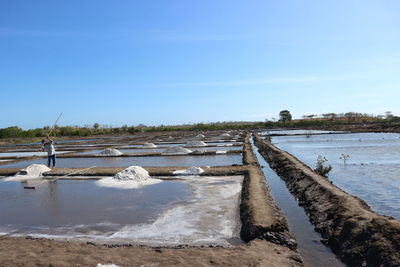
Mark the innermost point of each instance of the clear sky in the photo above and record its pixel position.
(172, 62)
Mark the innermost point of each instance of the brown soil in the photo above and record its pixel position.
(44, 252)
(354, 232)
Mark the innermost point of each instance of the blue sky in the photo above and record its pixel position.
(172, 62)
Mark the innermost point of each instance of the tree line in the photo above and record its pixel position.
(285, 120)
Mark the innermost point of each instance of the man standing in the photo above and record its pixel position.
(48, 145)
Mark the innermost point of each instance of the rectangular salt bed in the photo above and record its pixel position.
(189, 211)
(162, 161)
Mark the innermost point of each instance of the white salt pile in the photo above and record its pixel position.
(199, 151)
(135, 173)
(199, 137)
(176, 150)
(131, 177)
(225, 135)
(195, 143)
(189, 171)
(110, 152)
(149, 145)
(33, 171)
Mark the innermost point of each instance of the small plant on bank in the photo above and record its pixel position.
(344, 157)
(321, 167)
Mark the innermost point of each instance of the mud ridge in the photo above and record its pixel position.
(260, 216)
(358, 235)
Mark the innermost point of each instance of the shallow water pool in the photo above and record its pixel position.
(190, 211)
(372, 172)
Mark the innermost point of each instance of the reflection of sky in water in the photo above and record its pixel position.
(372, 172)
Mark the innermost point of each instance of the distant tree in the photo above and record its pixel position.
(285, 116)
(96, 126)
(388, 115)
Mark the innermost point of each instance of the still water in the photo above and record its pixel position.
(372, 171)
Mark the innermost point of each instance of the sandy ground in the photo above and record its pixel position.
(358, 235)
(43, 252)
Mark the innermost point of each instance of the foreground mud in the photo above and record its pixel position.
(43, 252)
(354, 232)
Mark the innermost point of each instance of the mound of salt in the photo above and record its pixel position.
(176, 150)
(190, 171)
(110, 152)
(135, 173)
(199, 137)
(225, 135)
(33, 171)
(195, 143)
(149, 145)
(131, 177)
(199, 151)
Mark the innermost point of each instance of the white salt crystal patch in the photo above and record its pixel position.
(189, 171)
(33, 171)
(176, 150)
(221, 152)
(107, 265)
(195, 143)
(131, 177)
(149, 145)
(110, 152)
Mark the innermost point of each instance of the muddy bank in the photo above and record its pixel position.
(43, 252)
(260, 216)
(354, 232)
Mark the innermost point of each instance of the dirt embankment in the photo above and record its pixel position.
(354, 232)
(261, 218)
